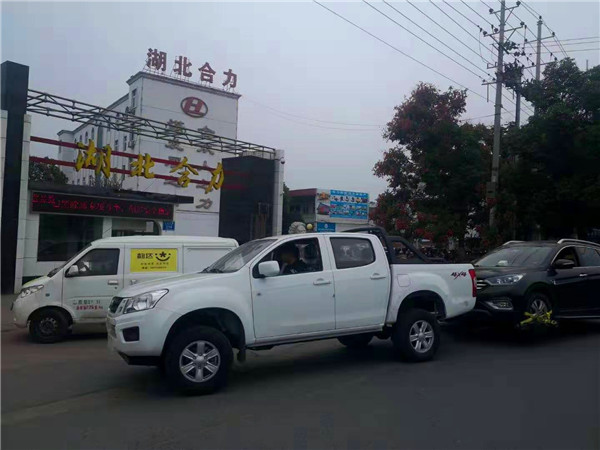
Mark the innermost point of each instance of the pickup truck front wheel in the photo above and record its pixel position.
(198, 360)
(416, 335)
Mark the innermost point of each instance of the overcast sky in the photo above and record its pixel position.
(300, 68)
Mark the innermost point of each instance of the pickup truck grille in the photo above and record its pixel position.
(481, 284)
(114, 304)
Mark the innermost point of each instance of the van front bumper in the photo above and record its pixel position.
(144, 344)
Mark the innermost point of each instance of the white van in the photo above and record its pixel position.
(79, 292)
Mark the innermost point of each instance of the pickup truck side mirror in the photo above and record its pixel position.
(268, 268)
(563, 264)
(72, 271)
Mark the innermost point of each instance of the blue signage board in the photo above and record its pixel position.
(168, 225)
(324, 227)
(349, 205)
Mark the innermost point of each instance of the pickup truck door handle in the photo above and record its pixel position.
(132, 281)
(321, 281)
(113, 282)
(583, 274)
(376, 276)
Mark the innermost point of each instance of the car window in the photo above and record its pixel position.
(299, 256)
(590, 257)
(101, 261)
(568, 253)
(352, 252)
(518, 256)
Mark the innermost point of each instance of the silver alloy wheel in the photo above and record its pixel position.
(421, 336)
(199, 361)
(538, 306)
(48, 326)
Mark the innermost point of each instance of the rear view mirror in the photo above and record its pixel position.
(72, 271)
(563, 264)
(268, 268)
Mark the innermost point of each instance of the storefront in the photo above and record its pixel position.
(162, 159)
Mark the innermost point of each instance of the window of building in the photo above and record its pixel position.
(125, 143)
(80, 138)
(123, 175)
(60, 237)
(133, 97)
(352, 252)
(93, 134)
(86, 137)
(116, 144)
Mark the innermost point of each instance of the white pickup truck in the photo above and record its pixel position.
(280, 290)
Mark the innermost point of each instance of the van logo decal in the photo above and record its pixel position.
(153, 260)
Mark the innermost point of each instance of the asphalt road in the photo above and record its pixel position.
(486, 389)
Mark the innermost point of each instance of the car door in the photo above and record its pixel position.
(99, 277)
(362, 282)
(590, 265)
(569, 283)
(296, 301)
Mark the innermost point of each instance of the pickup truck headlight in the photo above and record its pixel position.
(30, 290)
(143, 301)
(505, 279)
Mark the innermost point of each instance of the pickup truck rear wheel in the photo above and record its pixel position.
(198, 360)
(416, 335)
(356, 341)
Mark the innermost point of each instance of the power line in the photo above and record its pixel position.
(424, 41)
(579, 39)
(423, 29)
(309, 118)
(484, 19)
(574, 43)
(580, 50)
(398, 50)
(444, 28)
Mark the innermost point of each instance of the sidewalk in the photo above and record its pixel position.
(7, 317)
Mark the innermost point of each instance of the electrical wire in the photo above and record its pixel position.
(484, 19)
(401, 52)
(427, 43)
(448, 32)
(309, 118)
(580, 50)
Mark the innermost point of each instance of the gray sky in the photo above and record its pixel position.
(293, 57)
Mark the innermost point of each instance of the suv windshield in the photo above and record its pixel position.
(521, 256)
(236, 259)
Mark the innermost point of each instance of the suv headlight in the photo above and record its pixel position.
(143, 301)
(505, 279)
(30, 290)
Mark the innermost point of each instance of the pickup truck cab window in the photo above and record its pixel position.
(294, 257)
(352, 252)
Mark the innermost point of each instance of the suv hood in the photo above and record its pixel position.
(488, 272)
(171, 283)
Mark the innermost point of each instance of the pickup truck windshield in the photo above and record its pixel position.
(238, 258)
(522, 256)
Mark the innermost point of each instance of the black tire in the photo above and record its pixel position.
(356, 341)
(401, 336)
(48, 326)
(213, 339)
(532, 305)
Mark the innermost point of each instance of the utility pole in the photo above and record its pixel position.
(518, 103)
(538, 58)
(492, 186)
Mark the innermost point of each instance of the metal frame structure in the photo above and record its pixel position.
(63, 108)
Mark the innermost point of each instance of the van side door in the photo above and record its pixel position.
(90, 283)
(146, 262)
(362, 281)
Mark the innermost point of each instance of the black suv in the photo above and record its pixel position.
(540, 276)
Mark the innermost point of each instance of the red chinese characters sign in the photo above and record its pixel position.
(75, 204)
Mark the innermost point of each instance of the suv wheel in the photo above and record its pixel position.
(416, 336)
(537, 303)
(48, 326)
(356, 341)
(198, 360)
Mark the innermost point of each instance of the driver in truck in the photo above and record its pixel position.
(290, 256)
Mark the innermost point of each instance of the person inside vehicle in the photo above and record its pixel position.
(290, 256)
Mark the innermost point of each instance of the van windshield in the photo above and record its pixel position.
(238, 258)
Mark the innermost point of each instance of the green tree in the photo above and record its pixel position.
(46, 172)
(550, 179)
(437, 169)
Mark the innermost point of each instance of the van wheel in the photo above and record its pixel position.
(416, 336)
(356, 341)
(48, 326)
(198, 360)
